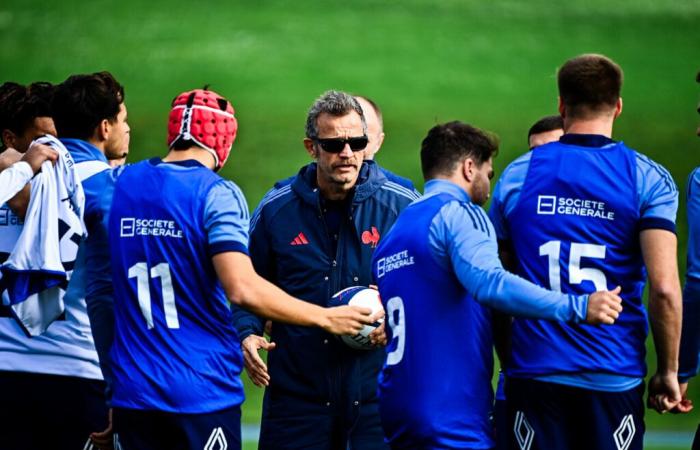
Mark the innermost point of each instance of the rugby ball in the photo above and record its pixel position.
(363, 297)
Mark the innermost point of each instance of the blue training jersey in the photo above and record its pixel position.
(429, 398)
(175, 347)
(690, 336)
(435, 291)
(573, 221)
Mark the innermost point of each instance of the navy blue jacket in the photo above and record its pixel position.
(310, 366)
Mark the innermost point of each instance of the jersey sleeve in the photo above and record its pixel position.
(13, 179)
(690, 335)
(658, 196)
(463, 234)
(226, 219)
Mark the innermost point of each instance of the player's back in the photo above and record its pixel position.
(574, 229)
(175, 348)
(434, 388)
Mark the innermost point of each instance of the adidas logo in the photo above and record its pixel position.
(299, 240)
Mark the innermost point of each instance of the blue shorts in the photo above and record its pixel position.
(155, 430)
(549, 416)
(40, 411)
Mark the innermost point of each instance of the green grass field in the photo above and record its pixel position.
(488, 63)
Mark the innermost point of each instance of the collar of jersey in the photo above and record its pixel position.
(82, 151)
(185, 163)
(438, 186)
(586, 140)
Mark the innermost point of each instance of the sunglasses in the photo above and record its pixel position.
(336, 145)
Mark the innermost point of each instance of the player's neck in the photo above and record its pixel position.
(600, 126)
(98, 144)
(198, 154)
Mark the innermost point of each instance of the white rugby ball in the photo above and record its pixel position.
(363, 297)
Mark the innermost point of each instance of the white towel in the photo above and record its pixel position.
(42, 259)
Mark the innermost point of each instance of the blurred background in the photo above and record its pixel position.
(489, 63)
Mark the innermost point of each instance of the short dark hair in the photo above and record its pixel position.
(335, 103)
(83, 101)
(20, 105)
(548, 123)
(589, 84)
(448, 144)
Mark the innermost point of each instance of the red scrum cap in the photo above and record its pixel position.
(205, 118)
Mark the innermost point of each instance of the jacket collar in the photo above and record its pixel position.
(369, 181)
(82, 151)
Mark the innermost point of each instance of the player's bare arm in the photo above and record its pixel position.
(35, 157)
(247, 289)
(8, 157)
(665, 311)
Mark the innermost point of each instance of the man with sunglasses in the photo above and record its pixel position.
(313, 237)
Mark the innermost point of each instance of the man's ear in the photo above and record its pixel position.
(381, 141)
(310, 149)
(618, 107)
(9, 139)
(103, 130)
(468, 169)
(561, 108)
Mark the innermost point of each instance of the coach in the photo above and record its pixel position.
(312, 238)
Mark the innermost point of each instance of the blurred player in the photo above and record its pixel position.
(581, 213)
(91, 120)
(547, 129)
(375, 137)
(435, 290)
(178, 242)
(312, 238)
(690, 337)
(53, 393)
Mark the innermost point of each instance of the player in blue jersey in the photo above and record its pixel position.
(313, 237)
(689, 363)
(580, 213)
(56, 374)
(91, 120)
(437, 270)
(375, 137)
(547, 129)
(178, 244)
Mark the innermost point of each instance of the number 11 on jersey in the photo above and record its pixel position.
(141, 273)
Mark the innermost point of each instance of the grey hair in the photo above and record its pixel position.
(335, 103)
